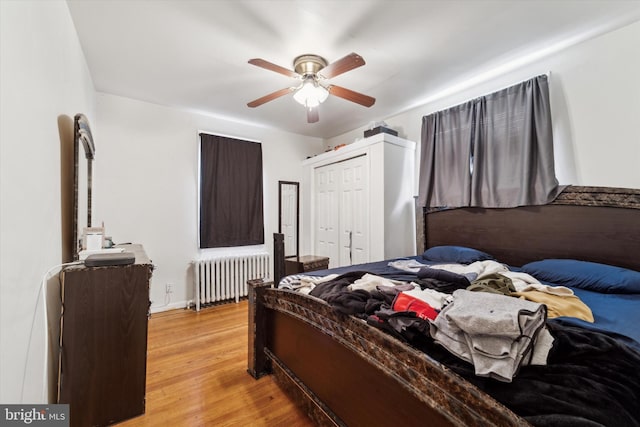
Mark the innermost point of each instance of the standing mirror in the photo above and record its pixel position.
(289, 216)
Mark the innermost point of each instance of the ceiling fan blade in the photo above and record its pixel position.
(270, 97)
(312, 115)
(351, 95)
(349, 62)
(273, 67)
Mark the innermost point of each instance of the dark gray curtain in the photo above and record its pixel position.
(445, 179)
(513, 147)
(231, 199)
(508, 155)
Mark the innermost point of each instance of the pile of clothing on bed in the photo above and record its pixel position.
(490, 325)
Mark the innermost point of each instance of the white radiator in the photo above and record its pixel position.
(225, 278)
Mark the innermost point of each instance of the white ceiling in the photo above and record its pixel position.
(193, 54)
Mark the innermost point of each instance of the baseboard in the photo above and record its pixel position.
(167, 307)
(188, 304)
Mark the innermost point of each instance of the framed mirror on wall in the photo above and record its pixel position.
(289, 216)
(83, 154)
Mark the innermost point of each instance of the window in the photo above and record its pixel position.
(231, 199)
(493, 151)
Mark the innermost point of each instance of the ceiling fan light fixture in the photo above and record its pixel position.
(311, 94)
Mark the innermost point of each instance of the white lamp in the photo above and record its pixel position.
(311, 94)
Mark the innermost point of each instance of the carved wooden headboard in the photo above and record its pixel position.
(597, 224)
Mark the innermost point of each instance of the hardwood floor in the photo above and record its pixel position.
(196, 374)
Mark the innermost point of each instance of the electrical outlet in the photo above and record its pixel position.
(168, 288)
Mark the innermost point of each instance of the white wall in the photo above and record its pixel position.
(595, 103)
(43, 77)
(146, 192)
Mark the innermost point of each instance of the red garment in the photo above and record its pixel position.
(406, 302)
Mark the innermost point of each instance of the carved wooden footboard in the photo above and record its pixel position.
(346, 372)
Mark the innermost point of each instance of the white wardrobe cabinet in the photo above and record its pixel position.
(362, 201)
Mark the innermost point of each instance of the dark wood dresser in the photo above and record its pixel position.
(301, 264)
(103, 341)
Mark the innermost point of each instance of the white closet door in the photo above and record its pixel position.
(326, 218)
(354, 211)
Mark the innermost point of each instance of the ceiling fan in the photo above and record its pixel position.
(313, 71)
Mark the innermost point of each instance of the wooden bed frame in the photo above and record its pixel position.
(345, 372)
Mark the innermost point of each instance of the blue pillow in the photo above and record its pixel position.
(455, 254)
(591, 276)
